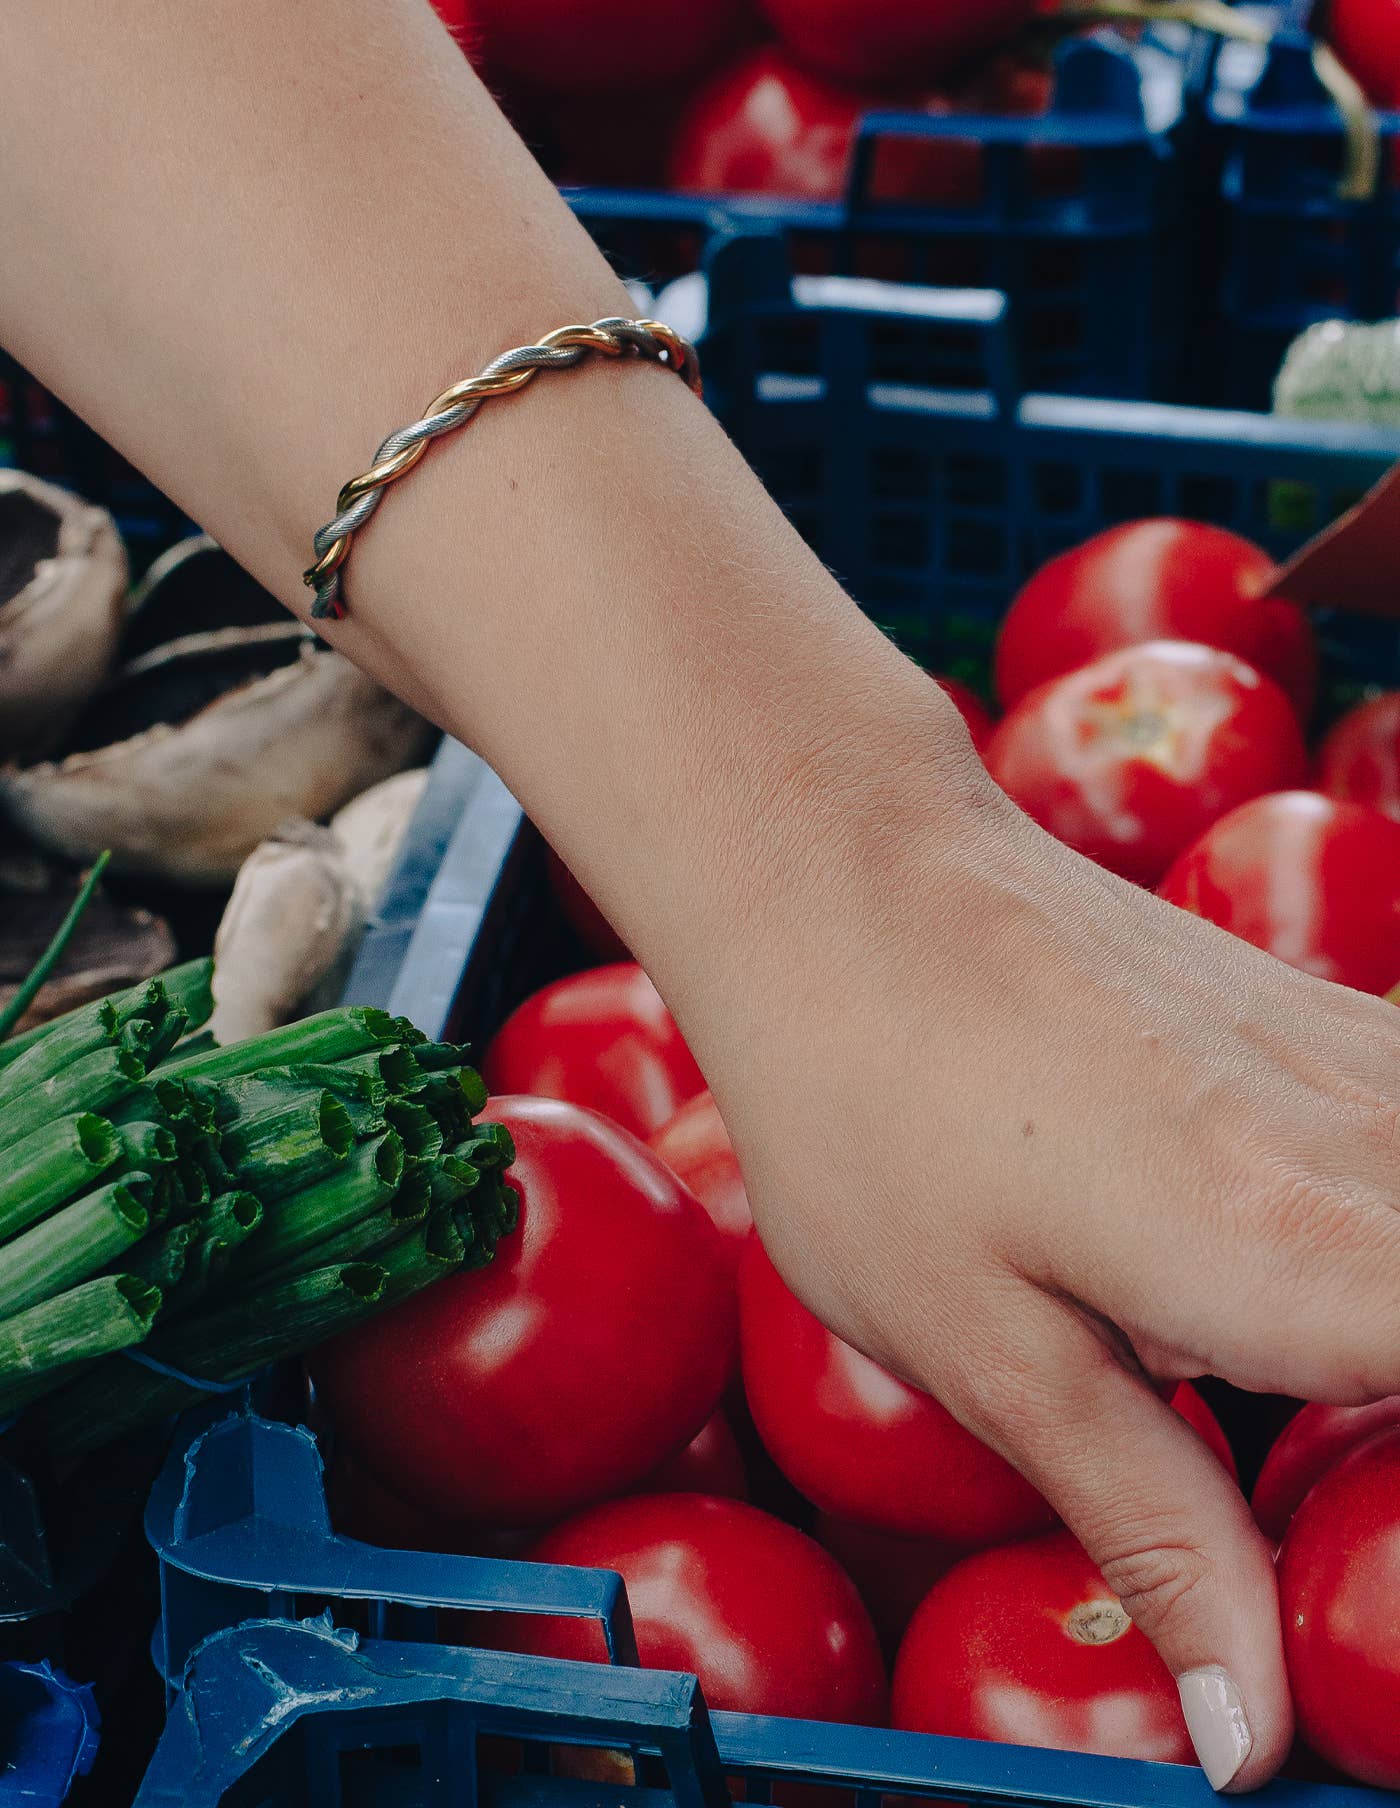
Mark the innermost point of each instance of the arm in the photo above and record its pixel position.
(247, 242)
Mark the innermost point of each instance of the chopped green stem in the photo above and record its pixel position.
(74, 1244)
(237, 1341)
(201, 1043)
(280, 1151)
(160, 1259)
(145, 1145)
(452, 1180)
(190, 988)
(397, 1068)
(301, 1223)
(93, 1083)
(55, 1163)
(53, 954)
(331, 1036)
(93, 1025)
(228, 1224)
(422, 1138)
(489, 1147)
(94, 1319)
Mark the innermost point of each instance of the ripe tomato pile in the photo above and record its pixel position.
(632, 1386)
(753, 96)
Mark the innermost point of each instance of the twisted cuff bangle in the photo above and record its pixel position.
(559, 350)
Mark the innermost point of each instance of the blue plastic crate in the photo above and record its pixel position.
(1295, 253)
(305, 1716)
(887, 424)
(1077, 216)
(48, 1735)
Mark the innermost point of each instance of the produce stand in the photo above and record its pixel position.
(470, 926)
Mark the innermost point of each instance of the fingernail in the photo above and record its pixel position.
(1216, 1721)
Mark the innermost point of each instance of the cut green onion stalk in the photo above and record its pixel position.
(56, 1162)
(74, 1244)
(220, 1206)
(88, 1321)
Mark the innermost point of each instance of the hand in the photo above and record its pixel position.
(1041, 1143)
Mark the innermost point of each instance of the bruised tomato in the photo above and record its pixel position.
(1360, 760)
(1314, 881)
(895, 40)
(1339, 1588)
(1313, 1441)
(1029, 1646)
(1154, 580)
(594, 1346)
(602, 1039)
(768, 1621)
(696, 1148)
(858, 1442)
(608, 46)
(1129, 759)
(972, 710)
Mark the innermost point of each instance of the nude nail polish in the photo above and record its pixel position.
(1216, 1721)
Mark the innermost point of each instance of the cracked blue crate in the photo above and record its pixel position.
(49, 1729)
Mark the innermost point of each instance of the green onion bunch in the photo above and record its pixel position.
(216, 1209)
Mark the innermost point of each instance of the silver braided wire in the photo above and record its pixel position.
(523, 357)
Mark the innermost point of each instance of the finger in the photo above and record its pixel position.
(1167, 1527)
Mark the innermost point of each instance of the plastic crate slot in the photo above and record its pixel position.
(1058, 488)
(899, 476)
(899, 540)
(1129, 495)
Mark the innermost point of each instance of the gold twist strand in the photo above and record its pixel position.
(564, 348)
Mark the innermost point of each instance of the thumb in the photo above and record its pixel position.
(1165, 1524)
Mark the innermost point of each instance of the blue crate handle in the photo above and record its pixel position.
(239, 1524)
(49, 1730)
(247, 1688)
(250, 1687)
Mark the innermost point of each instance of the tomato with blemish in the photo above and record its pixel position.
(1311, 880)
(1028, 1645)
(1129, 759)
(1159, 579)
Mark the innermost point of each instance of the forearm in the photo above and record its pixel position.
(248, 247)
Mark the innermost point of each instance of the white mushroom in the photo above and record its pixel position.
(287, 933)
(371, 828)
(63, 577)
(191, 801)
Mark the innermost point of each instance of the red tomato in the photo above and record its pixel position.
(602, 1039)
(894, 40)
(1311, 880)
(1027, 1645)
(596, 1344)
(1153, 580)
(892, 1574)
(711, 1463)
(609, 46)
(459, 16)
(760, 1613)
(1198, 1415)
(1360, 759)
(1339, 1587)
(768, 126)
(588, 922)
(972, 710)
(1366, 35)
(1131, 758)
(696, 1148)
(858, 1442)
(1313, 1441)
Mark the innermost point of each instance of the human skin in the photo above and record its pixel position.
(1023, 1133)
